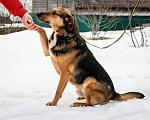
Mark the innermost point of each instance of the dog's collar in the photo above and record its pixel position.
(63, 33)
(67, 35)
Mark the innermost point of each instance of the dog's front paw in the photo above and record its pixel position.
(78, 104)
(80, 98)
(51, 104)
(75, 105)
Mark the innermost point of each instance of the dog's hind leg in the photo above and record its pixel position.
(44, 41)
(81, 98)
(77, 104)
(96, 93)
(80, 94)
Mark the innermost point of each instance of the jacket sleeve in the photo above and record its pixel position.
(14, 7)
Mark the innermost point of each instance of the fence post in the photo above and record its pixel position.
(49, 5)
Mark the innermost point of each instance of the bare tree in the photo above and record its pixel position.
(99, 21)
(10, 23)
(140, 28)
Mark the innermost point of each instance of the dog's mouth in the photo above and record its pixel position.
(48, 22)
(41, 18)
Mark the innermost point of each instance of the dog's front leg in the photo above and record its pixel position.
(44, 41)
(64, 78)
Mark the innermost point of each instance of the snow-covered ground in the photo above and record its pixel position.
(12, 25)
(28, 80)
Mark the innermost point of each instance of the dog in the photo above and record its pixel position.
(75, 63)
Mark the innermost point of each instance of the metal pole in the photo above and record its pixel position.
(49, 6)
(57, 3)
(61, 3)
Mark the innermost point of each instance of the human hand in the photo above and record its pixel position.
(30, 26)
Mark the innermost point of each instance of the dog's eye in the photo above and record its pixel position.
(54, 13)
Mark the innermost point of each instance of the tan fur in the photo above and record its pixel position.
(56, 66)
(55, 21)
(44, 41)
(65, 66)
(81, 98)
(65, 76)
(65, 62)
(95, 92)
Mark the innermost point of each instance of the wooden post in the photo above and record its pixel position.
(57, 3)
(62, 3)
(49, 5)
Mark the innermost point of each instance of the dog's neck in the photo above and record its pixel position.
(63, 31)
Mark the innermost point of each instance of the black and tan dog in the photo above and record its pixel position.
(75, 63)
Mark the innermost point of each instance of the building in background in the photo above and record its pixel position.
(81, 6)
(90, 9)
(109, 9)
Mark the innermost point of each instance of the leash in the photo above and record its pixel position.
(122, 33)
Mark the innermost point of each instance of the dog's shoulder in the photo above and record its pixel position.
(66, 43)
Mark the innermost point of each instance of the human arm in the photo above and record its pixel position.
(16, 8)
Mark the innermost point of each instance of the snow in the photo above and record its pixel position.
(128, 13)
(28, 80)
(12, 25)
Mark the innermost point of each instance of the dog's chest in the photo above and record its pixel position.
(58, 61)
(53, 41)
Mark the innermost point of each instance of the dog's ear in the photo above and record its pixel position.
(68, 22)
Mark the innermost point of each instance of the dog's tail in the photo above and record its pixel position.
(127, 96)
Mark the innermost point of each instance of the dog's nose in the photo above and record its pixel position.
(39, 15)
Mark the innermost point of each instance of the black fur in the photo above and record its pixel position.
(87, 66)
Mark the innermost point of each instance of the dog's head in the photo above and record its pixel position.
(58, 18)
